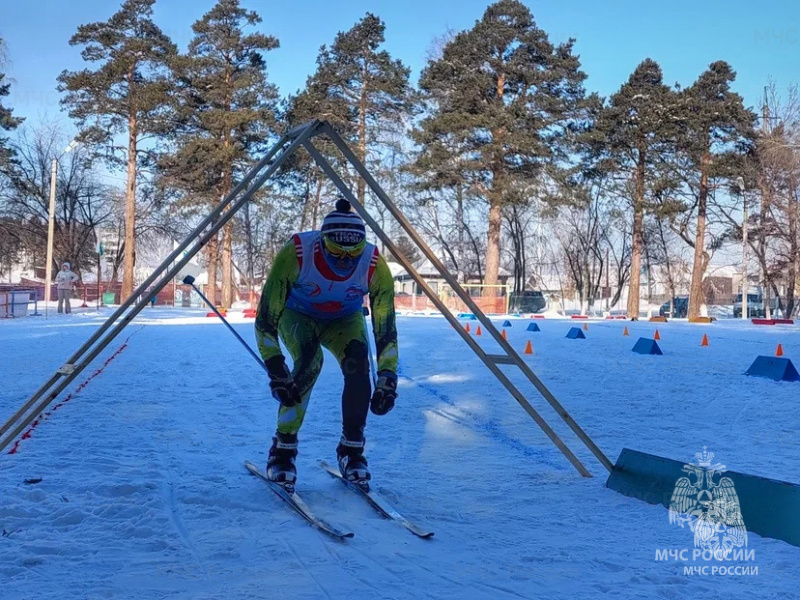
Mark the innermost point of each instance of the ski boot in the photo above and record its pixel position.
(352, 464)
(280, 464)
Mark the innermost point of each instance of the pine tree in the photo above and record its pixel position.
(359, 88)
(504, 99)
(8, 121)
(302, 174)
(631, 137)
(226, 111)
(10, 227)
(715, 128)
(127, 93)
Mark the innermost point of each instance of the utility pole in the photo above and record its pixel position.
(51, 224)
(250, 269)
(649, 272)
(608, 286)
(745, 286)
(99, 274)
(48, 277)
(762, 241)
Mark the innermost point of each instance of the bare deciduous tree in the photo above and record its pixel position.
(82, 202)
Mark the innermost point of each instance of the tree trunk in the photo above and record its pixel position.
(317, 201)
(235, 280)
(306, 203)
(115, 265)
(227, 265)
(515, 235)
(794, 249)
(636, 262)
(493, 244)
(638, 239)
(668, 266)
(227, 249)
(696, 299)
(762, 251)
(212, 250)
(362, 136)
(250, 269)
(476, 250)
(586, 280)
(462, 251)
(495, 203)
(130, 213)
(227, 231)
(649, 268)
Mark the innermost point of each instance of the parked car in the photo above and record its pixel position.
(529, 301)
(755, 305)
(680, 308)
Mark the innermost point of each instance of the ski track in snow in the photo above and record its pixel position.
(144, 494)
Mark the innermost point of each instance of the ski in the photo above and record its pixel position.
(298, 504)
(378, 503)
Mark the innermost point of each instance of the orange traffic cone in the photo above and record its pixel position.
(529, 348)
(624, 333)
(466, 327)
(586, 327)
(505, 337)
(478, 330)
(779, 351)
(705, 340)
(657, 336)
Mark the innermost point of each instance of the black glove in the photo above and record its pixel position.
(385, 393)
(283, 387)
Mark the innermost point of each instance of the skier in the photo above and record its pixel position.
(313, 297)
(64, 282)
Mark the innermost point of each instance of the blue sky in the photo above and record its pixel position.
(760, 39)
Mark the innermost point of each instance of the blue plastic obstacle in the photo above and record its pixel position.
(768, 507)
(533, 327)
(506, 323)
(647, 346)
(576, 333)
(469, 316)
(772, 367)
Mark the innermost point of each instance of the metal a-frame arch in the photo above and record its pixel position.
(216, 220)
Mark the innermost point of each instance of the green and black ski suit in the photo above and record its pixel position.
(309, 306)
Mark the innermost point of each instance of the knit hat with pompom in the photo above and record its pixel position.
(344, 227)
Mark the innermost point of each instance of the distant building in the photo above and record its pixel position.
(408, 294)
(404, 284)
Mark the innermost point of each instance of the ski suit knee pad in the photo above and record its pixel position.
(355, 362)
(357, 389)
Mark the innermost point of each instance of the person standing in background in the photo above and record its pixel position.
(64, 282)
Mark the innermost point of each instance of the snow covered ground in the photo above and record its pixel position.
(143, 493)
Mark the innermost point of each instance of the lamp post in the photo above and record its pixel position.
(100, 252)
(51, 226)
(741, 190)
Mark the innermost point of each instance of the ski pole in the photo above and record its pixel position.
(189, 280)
(369, 349)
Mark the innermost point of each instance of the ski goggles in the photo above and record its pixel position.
(339, 251)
